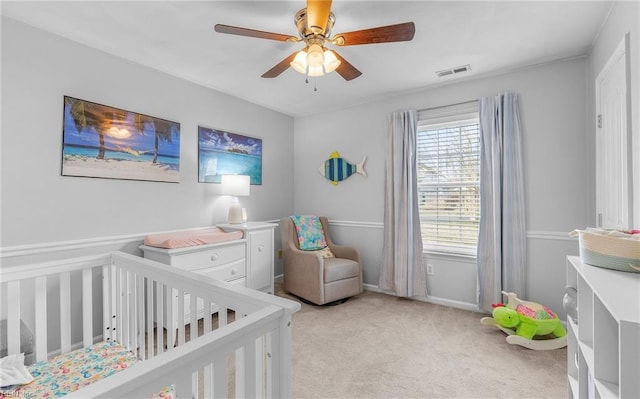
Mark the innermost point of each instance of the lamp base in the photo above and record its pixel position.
(235, 212)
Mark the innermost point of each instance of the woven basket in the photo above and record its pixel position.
(608, 251)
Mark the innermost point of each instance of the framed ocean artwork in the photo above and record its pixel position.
(112, 143)
(223, 153)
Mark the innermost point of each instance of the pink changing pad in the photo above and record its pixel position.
(189, 238)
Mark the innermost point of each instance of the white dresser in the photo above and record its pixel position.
(247, 262)
(603, 347)
(224, 261)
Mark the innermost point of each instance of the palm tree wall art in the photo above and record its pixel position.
(107, 142)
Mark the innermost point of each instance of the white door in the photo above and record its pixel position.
(612, 143)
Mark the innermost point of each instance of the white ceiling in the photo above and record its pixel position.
(178, 38)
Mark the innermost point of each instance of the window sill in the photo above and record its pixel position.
(449, 255)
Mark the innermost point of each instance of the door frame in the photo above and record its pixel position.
(621, 51)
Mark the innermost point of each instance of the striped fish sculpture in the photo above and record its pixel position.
(336, 169)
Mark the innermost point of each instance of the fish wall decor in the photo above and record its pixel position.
(336, 168)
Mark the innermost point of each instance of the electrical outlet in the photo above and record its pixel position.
(430, 269)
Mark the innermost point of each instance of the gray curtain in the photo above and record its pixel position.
(501, 242)
(402, 268)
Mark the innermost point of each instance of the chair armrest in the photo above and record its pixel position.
(304, 274)
(346, 252)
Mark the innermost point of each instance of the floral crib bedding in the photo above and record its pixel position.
(71, 371)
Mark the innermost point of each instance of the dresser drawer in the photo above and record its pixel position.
(209, 258)
(227, 272)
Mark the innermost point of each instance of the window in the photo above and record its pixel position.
(448, 160)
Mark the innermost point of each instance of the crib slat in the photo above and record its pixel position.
(133, 313)
(207, 381)
(150, 337)
(171, 327)
(160, 317)
(181, 337)
(249, 366)
(220, 377)
(13, 317)
(222, 316)
(106, 303)
(87, 307)
(240, 373)
(126, 309)
(193, 312)
(117, 324)
(208, 311)
(65, 312)
(259, 362)
(141, 318)
(41, 317)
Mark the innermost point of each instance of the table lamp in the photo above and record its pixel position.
(235, 186)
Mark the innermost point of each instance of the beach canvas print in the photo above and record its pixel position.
(223, 153)
(106, 142)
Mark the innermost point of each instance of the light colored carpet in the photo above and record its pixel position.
(379, 346)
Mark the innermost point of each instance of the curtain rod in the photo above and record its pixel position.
(449, 105)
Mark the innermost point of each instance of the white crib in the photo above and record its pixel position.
(243, 351)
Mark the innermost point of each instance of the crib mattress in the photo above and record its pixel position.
(189, 238)
(71, 371)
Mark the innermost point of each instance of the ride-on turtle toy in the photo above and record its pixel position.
(524, 320)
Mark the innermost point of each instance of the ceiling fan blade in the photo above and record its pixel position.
(234, 30)
(318, 15)
(383, 34)
(346, 70)
(280, 67)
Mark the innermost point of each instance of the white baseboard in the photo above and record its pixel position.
(472, 307)
(434, 300)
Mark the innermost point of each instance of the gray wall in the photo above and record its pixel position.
(39, 205)
(554, 111)
(624, 18)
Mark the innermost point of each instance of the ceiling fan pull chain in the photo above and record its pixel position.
(315, 84)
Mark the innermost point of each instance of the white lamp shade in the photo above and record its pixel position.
(331, 62)
(236, 185)
(299, 63)
(315, 56)
(315, 70)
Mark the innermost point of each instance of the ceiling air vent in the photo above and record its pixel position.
(447, 72)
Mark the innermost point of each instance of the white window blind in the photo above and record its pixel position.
(448, 160)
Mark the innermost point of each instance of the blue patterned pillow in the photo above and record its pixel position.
(310, 233)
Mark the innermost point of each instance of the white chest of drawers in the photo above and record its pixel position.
(224, 261)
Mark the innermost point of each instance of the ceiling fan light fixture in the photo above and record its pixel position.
(331, 62)
(315, 70)
(299, 63)
(315, 56)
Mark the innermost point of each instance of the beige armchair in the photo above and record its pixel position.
(318, 280)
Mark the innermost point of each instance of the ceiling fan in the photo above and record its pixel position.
(314, 25)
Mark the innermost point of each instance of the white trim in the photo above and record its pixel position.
(58, 246)
(549, 235)
(364, 225)
(472, 307)
(48, 247)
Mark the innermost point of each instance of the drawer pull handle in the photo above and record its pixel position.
(234, 272)
(215, 257)
(260, 248)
